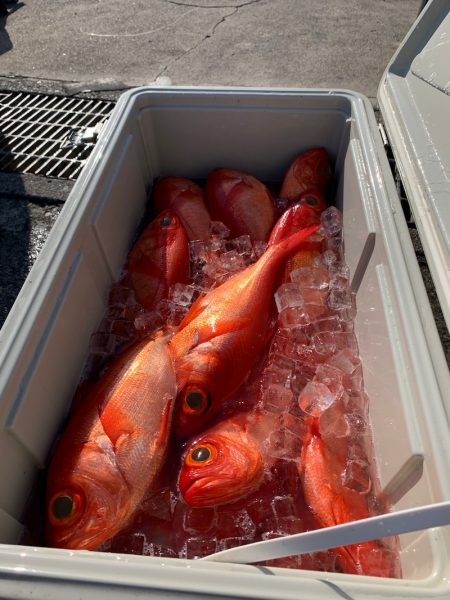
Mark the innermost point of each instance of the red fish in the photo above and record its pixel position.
(159, 259)
(225, 463)
(241, 202)
(224, 333)
(112, 449)
(186, 199)
(333, 504)
(303, 214)
(309, 171)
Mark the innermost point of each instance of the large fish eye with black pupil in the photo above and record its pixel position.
(311, 200)
(195, 401)
(166, 221)
(62, 507)
(201, 455)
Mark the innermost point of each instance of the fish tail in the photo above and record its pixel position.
(294, 242)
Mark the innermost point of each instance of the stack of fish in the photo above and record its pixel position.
(225, 401)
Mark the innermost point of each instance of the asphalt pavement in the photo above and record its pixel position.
(100, 48)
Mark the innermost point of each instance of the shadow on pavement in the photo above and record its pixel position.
(14, 226)
(7, 7)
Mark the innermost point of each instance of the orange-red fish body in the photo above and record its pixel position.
(112, 448)
(159, 259)
(241, 202)
(333, 504)
(303, 214)
(186, 199)
(309, 171)
(223, 334)
(224, 463)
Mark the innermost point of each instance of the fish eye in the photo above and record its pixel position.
(310, 200)
(200, 455)
(196, 401)
(64, 506)
(166, 221)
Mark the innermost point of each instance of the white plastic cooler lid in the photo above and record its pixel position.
(414, 97)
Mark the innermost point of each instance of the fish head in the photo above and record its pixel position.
(308, 171)
(87, 499)
(186, 199)
(220, 467)
(164, 229)
(305, 212)
(169, 191)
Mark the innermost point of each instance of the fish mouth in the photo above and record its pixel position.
(199, 493)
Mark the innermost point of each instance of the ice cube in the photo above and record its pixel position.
(159, 550)
(233, 542)
(329, 259)
(259, 510)
(294, 317)
(356, 476)
(232, 261)
(330, 342)
(348, 361)
(183, 295)
(199, 520)
(217, 229)
(259, 247)
(171, 313)
(284, 442)
(288, 295)
(121, 295)
(131, 543)
(199, 253)
(330, 376)
(305, 277)
(148, 321)
(315, 302)
(302, 375)
(332, 323)
(290, 525)
(198, 547)
(203, 282)
(283, 506)
(336, 246)
(277, 398)
(243, 245)
(276, 375)
(339, 299)
(333, 424)
(102, 343)
(331, 221)
(315, 398)
(358, 424)
(235, 523)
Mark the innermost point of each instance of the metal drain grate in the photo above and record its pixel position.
(48, 135)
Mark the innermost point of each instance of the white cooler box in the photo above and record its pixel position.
(187, 132)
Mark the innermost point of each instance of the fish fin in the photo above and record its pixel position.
(166, 422)
(213, 329)
(196, 309)
(116, 424)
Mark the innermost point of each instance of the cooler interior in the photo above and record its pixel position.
(187, 133)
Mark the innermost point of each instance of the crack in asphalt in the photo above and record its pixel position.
(207, 36)
(219, 6)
